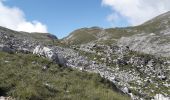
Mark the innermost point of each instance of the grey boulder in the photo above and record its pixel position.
(6, 49)
(49, 53)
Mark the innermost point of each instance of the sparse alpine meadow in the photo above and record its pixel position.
(23, 77)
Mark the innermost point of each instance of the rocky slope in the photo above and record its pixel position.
(138, 56)
(135, 59)
(154, 39)
(18, 43)
(29, 77)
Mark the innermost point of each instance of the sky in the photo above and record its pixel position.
(61, 17)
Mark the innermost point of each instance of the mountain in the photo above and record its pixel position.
(154, 39)
(83, 35)
(33, 67)
(45, 38)
(139, 51)
(91, 63)
(152, 36)
(86, 35)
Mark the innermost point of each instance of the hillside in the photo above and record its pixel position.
(28, 77)
(91, 63)
(152, 36)
(86, 35)
(142, 51)
(83, 35)
(25, 76)
(45, 38)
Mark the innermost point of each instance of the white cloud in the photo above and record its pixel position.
(137, 11)
(114, 18)
(14, 18)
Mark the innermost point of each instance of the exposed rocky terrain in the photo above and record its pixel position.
(138, 55)
(155, 42)
(135, 59)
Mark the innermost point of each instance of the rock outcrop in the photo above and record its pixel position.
(50, 54)
(161, 97)
(155, 44)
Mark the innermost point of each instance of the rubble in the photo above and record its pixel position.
(127, 69)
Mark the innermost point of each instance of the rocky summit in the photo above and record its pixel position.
(132, 62)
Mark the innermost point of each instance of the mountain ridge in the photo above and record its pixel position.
(158, 27)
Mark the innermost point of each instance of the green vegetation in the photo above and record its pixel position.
(22, 77)
(117, 33)
(84, 35)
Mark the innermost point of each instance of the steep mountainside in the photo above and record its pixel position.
(25, 76)
(133, 61)
(140, 53)
(151, 37)
(154, 38)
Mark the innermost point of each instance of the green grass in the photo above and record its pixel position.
(82, 36)
(117, 33)
(22, 78)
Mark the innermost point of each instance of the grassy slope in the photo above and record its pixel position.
(83, 35)
(22, 77)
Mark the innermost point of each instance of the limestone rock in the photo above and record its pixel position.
(161, 97)
(50, 54)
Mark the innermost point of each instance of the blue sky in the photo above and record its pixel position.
(63, 16)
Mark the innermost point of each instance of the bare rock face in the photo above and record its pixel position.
(160, 97)
(50, 54)
(156, 44)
